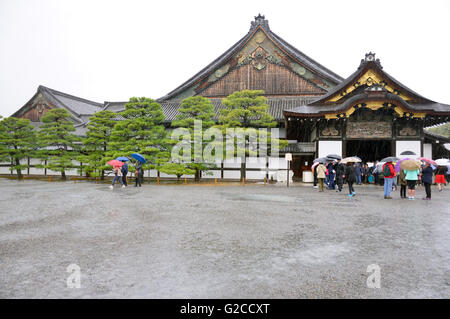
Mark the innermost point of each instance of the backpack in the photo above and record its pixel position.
(386, 170)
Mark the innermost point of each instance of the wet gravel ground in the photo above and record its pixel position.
(249, 241)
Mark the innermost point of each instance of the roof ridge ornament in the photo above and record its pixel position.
(260, 21)
(370, 57)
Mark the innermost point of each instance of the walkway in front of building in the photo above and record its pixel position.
(220, 242)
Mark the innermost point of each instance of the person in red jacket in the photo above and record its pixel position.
(389, 175)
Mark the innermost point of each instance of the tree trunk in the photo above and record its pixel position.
(197, 175)
(18, 170)
(103, 175)
(63, 175)
(243, 167)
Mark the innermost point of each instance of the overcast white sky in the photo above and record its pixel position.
(107, 50)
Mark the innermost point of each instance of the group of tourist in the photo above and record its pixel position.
(334, 174)
(121, 172)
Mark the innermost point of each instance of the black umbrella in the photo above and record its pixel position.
(322, 160)
(408, 153)
(334, 156)
(390, 159)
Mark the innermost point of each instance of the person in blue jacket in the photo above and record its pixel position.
(427, 179)
(358, 172)
(124, 173)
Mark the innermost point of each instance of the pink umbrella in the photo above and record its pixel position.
(115, 163)
(427, 160)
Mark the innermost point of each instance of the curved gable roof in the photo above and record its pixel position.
(259, 24)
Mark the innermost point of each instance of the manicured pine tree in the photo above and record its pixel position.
(142, 131)
(191, 109)
(176, 169)
(17, 142)
(98, 136)
(58, 142)
(248, 108)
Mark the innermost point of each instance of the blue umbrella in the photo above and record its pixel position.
(122, 159)
(139, 157)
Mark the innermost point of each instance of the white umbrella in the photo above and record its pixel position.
(351, 159)
(443, 161)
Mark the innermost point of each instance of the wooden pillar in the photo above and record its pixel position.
(221, 170)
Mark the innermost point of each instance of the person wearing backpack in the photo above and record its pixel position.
(389, 175)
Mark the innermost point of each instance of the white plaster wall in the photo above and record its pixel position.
(401, 146)
(256, 162)
(255, 174)
(330, 147)
(427, 151)
(231, 174)
(277, 163)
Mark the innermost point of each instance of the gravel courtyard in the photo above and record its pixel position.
(229, 241)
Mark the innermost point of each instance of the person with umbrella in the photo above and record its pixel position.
(427, 179)
(331, 172)
(321, 170)
(350, 178)
(440, 176)
(411, 168)
(441, 170)
(389, 175)
(340, 172)
(117, 173)
(124, 169)
(139, 173)
(402, 182)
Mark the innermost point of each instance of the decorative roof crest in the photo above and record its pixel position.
(370, 57)
(260, 20)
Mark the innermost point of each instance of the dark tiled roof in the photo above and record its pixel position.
(435, 136)
(72, 103)
(170, 108)
(264, 25)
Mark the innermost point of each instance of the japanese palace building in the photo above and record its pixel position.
(369, 113)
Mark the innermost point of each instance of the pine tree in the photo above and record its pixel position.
(142, 131)
(248, 109)
(17, 141)
(201, 109)
(176, 169)
(98, 136)
(58, 142)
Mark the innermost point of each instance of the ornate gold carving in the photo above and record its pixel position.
(407, 131)
(369, 129)
(259, 58)
(260, 37)
(298, 69)
(222, 71)
(369, 78)
(375, 105)
(329, 131)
